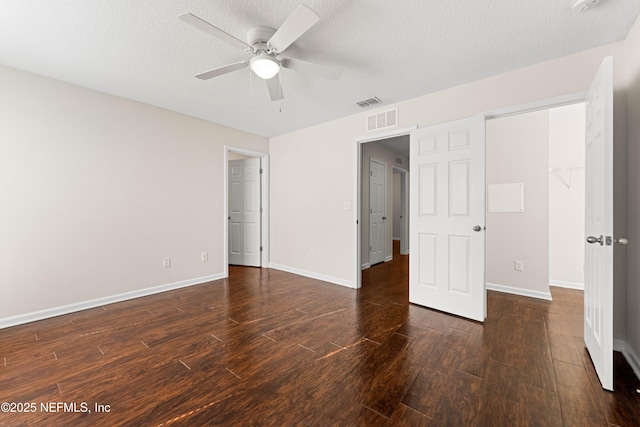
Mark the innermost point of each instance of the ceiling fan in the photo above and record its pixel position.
(266, 45)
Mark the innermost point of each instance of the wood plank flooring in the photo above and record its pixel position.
(267, 347)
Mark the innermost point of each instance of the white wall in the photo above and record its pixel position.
(96, 190)
(312, 176)
(566, 195)
(632, 51)
(306, 153)
(517, 150)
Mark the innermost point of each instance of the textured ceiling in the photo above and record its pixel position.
(392, 49)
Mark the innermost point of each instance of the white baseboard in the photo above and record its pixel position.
(365, 266)
(388, 258)
(519, 291)
(313, 275)
(568, 285)
(632, 358)
(98, 302)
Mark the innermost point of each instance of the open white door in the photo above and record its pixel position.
(598, 286)
(377, 215)
(447, 217)
(244, 212)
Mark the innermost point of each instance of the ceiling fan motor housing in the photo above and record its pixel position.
(259, 36)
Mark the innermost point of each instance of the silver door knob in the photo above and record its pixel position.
(477, 228)
(593, 239)
(621, 241)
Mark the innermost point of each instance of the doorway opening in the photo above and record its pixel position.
(535, 205)
(390, 149)
(246, 210)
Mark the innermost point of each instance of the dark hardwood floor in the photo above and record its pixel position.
(267, 347)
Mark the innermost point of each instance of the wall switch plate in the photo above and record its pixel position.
(519, 266)
(204, 256)
(166, 262)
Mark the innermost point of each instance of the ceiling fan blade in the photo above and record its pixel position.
(295, 25)
(223, 70)
(311, 68)
(275, 90)
(203, 25)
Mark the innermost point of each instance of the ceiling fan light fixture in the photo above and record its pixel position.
(265, 66)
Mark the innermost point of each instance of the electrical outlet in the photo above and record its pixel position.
(347, 205)
(310, 253)
(204, 257)
(519, 266)
(166, 262)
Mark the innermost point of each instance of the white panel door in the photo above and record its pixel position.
(598, 286)
(447, 217)
(244, 212)
(377, 210)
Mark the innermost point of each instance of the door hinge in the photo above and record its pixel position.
(260, 248)
(260, 170)
(260, 209)
(370, 248)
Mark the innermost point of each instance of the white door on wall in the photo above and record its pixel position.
(447, 217)
(598, 287)
(244, 212)
(377, 210)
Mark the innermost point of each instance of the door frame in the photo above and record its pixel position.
(537, 105)
(357, 142)
(264, 191)
(404, 208)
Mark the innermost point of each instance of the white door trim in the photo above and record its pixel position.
(264, 163)
(357, 191)
(540, 104)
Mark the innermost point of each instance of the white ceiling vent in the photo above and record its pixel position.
(369, 102)
(382, 120)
